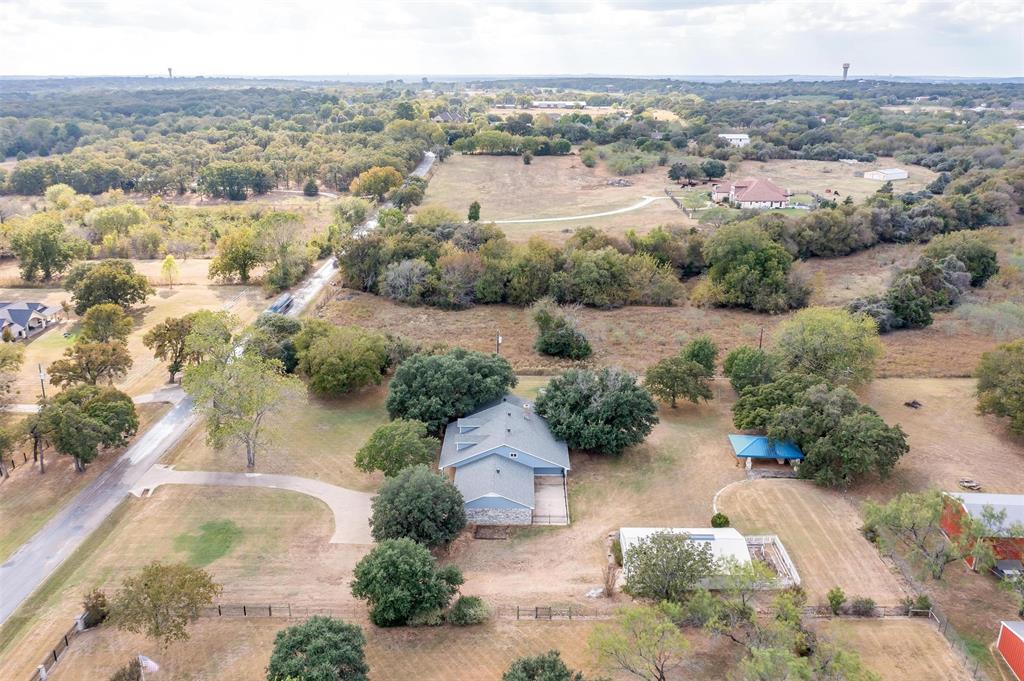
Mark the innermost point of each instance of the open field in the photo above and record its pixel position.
(898, 649)
(28, 499)
(551, 186)
(820, 530)
(190, 271)
(313, 438)
(636, 337)
(801, 176)
(276, 531)
(146, 373)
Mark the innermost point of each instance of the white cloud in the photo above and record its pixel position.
(639, 37)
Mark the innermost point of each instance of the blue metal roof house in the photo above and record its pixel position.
(761, 448)
(507, 464)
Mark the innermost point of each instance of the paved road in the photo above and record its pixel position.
(351, 508)
(37, 558)
(646, 201)
(170, 395)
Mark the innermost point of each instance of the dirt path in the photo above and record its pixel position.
(351, 509)
(646, 201)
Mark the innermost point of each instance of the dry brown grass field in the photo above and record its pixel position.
(238, 650)
(146, 373)
(820, 530)
(801, 177)
(898, 649)
(550, 187)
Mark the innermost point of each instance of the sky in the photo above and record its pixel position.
(526, 37)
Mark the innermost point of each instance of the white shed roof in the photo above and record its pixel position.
(725, 542)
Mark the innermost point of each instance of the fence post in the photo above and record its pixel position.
(219, 613)
(289, 611)
(270, 611)
(244, 614)
(517, 612)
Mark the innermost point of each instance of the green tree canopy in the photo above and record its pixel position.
(829, 343)
(557, 332)
(399, 579)
(238, 252)
(435, 389)
(397, 445)
(973, 249)
(667, 566)
(645, 641)
(1000, 387)
(747, 269)
(376, 182)
(162, 600)
(273, 337)
(108, 281)
(420, 504)
(90, 362)
(43, 247)
(603, 411)
(676, 376)
(746, 366)
(319, 649)
(340, 359)
(167, 341)
(104, 323)
(81, 420)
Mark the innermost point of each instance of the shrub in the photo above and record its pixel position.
(719, 520)
(468, 610)
(130, 672)
(862, 606)
(418, 504)
(557, 334)
(747, 269)
(427, 618)
(832, 344)
(319, 648)
(310, 188)
(95, 608)
(970, 248)
(617, 551)
(340, 359)
(921, 602)
(836, 598)
(395, 446)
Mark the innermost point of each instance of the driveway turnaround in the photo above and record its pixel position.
(351, 509)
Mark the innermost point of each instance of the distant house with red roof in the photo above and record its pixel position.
(751, 192)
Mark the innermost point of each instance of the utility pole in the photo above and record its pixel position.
(497, 342)
(760, 340)
(42, 380)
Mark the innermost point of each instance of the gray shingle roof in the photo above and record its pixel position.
(20, 313)
(510, 422)
(496, 476)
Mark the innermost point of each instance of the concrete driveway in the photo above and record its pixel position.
(351, 509)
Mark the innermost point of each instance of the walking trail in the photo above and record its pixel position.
(351, 508)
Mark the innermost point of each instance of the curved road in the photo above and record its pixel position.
(646, 201)
(351, 509)
(37, 558)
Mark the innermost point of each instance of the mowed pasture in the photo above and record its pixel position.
(898, 649)
(550, 187)
(276, 531)
(309, 437)
(801, 177)
(820, 530)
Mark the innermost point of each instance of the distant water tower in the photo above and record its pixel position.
(846, 67)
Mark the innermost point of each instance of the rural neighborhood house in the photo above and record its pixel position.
(751, 192)
(22, 320)
(509, 467)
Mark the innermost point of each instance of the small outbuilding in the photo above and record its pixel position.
(1006, 542)
(736, 139)
(1010, 645)
(725, 542)
(887, 174)
(761, 448)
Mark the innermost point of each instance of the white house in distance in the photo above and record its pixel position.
(887, 174)
(22, 320)
(740, 139)
(750, 192)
